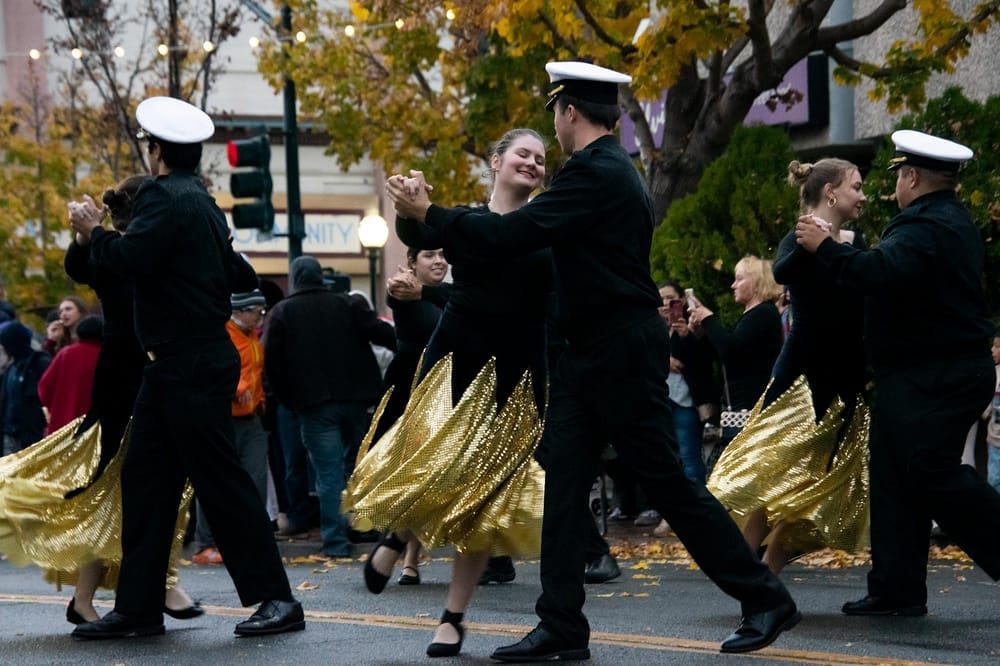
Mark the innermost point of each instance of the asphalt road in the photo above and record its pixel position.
(657, 612)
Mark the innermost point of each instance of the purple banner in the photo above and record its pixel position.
(796, 82)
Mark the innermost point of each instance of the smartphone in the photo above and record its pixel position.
(675, 310)
(689, 297)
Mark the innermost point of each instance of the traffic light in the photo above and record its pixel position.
(254, 182)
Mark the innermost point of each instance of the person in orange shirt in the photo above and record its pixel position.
(247, 406)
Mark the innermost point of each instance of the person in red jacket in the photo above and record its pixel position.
(66, 386)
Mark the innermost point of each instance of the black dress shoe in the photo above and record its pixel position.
(540, 645)
(601, 570)
(189, 613)
(871, 605)
(758, 630)
(116, 625)
(449, 649)
(374, 580)
(498, 570)
(71, 615)
(273, 617)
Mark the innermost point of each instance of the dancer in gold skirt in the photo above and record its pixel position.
(457, 467)
(797, 474)
(60, 499)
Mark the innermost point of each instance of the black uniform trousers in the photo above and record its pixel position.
(616, 391)
(919, 423)
(182, 429)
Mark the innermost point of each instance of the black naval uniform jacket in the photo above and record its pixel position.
(926, 270)
(170, 249)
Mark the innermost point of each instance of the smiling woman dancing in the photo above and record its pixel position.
(457, 467)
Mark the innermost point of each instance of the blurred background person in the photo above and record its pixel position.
(992, 418)
(748, 350)
(21, 413)
(690, 380)
(56, 334)
(798, 472)
(320, 365)
(67, 385)
(417, 297)
(71, 310)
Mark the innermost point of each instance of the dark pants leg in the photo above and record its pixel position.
(182, 427)
(301, 515)
(251, 450)
(326, 432)
(617, 391)
(595, 545)
(919, 425)
(569, 452)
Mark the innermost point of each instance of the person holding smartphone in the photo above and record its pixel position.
(690, 380)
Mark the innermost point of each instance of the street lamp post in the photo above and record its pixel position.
(373, 232)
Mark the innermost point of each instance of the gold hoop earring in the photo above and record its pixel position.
(831, 202)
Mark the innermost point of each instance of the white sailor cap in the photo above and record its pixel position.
(930, 152)
(173, 120)
(584, 81)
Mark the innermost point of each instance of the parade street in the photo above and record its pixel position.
(661, 610)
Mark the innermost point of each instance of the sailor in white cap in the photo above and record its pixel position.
(917, 149)
(932, 378)
(584, 81)
(178, 253)
(610, 385)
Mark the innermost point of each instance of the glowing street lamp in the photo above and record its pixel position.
(373, 232)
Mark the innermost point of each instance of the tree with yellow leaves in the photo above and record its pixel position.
(81, 137)
(422, 84)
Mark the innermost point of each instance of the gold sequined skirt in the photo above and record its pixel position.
(40, 525)
(781, 462)
(462, 475)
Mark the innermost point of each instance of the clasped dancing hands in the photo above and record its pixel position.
(85, 216)
(810, 231)
(410, 196)
(404, 286)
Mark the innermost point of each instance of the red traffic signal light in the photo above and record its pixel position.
(254, 182)
(252, 152)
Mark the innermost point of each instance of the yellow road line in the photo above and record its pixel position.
(635, 641)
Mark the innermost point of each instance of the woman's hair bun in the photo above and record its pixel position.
(119, 203)
(798, 172)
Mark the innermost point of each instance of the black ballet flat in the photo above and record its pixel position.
(189, 613)
(375, 581)
(449, 649)
(409, 579)
(71, 615)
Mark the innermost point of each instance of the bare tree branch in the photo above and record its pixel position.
(761, 40)
(859, 27)
(875, 72)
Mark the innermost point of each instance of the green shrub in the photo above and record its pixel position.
(743, 205)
